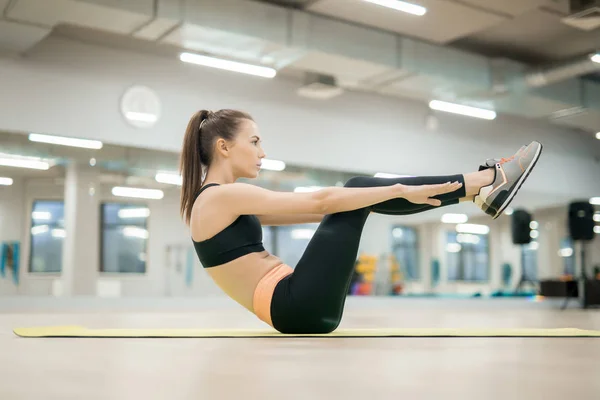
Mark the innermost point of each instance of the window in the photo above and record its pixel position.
(530, 261)
(291, 241)
(124, 238)
(405, 250)
(47, 234)
(268, 238)
(468, 257)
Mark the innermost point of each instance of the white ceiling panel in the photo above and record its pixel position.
(427, 87)
(50, 13)
(559, 6)
(537, 33)
(222, 43)
(529, 106)
(3, 4)
(444, 21)
(587, 120)
(156, 29)
(508, 7)
(18, 37)
(349, 71)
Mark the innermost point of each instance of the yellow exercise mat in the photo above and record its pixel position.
(79, 331)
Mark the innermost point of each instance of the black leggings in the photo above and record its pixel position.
(312, 298)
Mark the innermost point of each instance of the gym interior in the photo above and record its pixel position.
(95, 97)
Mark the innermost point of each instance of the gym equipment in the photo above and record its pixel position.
(581, 230)
(521, 230)
(82, 332)
(521, 235)
(581, 220)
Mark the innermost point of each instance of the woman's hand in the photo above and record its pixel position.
(422, 194)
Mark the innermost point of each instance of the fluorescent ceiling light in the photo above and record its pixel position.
(66, 141)
(453, 247)
(6, 181)
(134, 213)
(307, 189)
(272, 165)
(24, 163)
(234, 66)
(170, 178)
(37, 230)
(400, 6)
(467, 238)
(454, 218)
(135, 232)
(473, 228)
(59, 233)
(386, 175)
(597, 217)
(566, 252)
(597, 229)
(41, 215)
(462, 110)
(141, 117)
(153, 194)
(596, 58)
(595, 201)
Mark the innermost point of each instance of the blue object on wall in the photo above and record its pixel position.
(506, 274)
(8, 249)
(3, 250)
(435, 272)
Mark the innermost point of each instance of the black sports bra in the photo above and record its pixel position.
(243, 236)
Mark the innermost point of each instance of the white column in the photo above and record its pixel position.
(426, 255)
(82, 224)
(496, 257)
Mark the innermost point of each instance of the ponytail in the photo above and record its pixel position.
(192, 164)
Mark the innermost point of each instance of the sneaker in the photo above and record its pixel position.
(510, 173)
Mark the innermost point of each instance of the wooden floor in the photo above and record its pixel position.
(299, 368)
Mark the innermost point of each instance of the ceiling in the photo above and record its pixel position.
(528, 58)
(531, 31)
(122, 165)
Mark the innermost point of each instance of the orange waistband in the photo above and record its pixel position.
(264, 291)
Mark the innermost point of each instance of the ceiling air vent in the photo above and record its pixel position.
(321, 87)
(584, 14)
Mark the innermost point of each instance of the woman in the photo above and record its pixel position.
(225, 219)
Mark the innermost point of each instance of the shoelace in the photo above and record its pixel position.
(505, 160)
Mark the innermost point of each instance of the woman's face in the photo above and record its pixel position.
(247, 153)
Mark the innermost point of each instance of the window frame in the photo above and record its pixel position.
(30, 236)
(101, 225)
(405, 276)
(461, 271)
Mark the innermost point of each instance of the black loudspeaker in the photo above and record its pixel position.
(521, 232)
(581, 220)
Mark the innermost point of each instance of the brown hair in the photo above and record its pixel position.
(202, 131)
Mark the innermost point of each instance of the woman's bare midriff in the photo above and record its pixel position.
(240, 277)
(237, 278)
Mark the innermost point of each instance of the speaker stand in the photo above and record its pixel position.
(524, 278)
(581, 282)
